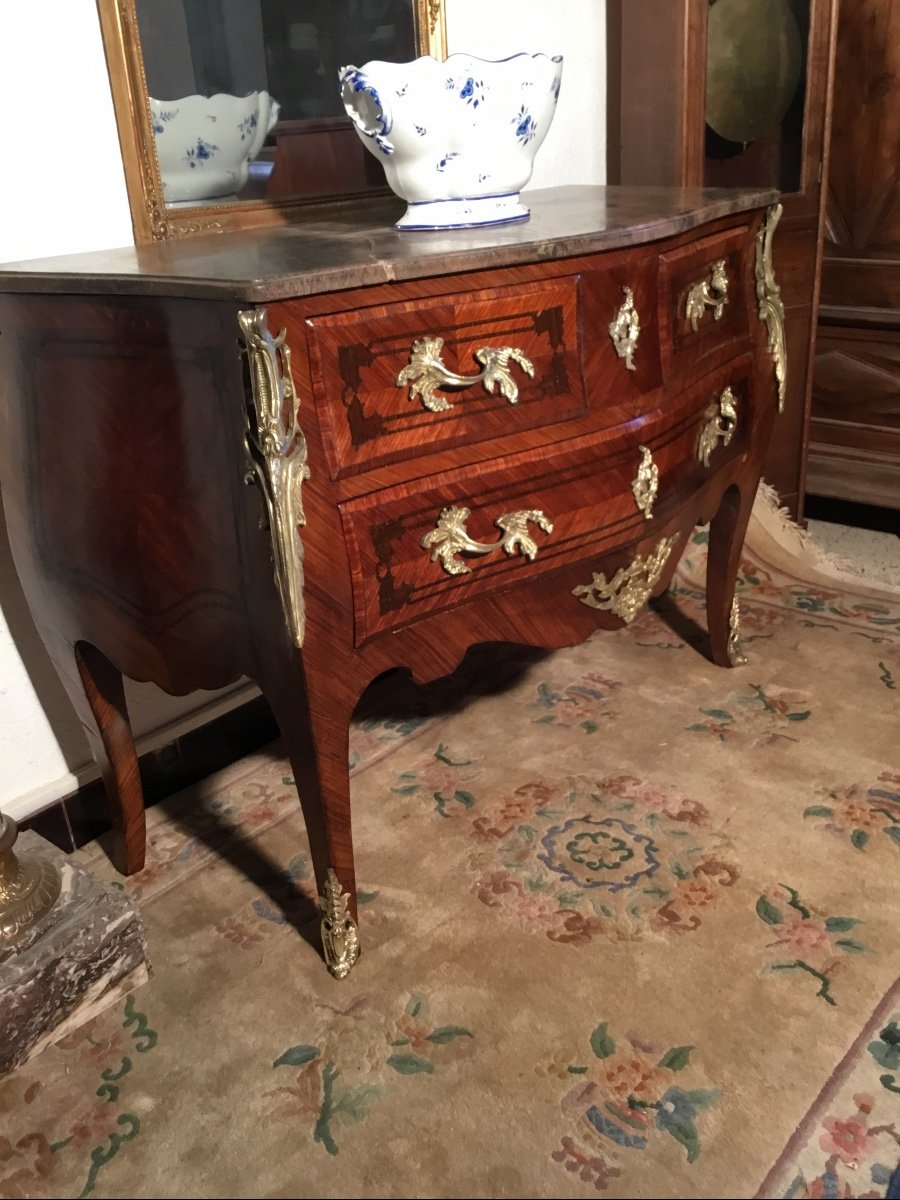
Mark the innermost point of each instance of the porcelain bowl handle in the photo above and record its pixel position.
(365, 107)
(274, 113)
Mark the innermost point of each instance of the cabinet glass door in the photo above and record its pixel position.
(756, 83)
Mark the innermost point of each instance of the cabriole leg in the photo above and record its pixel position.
(98, 695)
(726, 539)
(316, 735)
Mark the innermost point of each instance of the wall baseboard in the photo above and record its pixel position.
(39, 799)
(170, 768)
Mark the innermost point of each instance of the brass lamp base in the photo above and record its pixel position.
(29, 886)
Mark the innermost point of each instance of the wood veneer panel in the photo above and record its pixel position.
(855, 429)
(683, 269)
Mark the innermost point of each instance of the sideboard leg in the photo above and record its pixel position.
(317, 740)
(726, 541)
(100, 704)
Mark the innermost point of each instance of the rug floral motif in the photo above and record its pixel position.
(90, 1128)
(582, 704)
(865, 815)
(756, 716)
(807, 941)
(361, 1041)
(622, 1095)
(576, 858)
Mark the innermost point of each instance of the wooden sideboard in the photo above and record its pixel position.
(312, 454)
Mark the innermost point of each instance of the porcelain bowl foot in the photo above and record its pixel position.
(463, 214)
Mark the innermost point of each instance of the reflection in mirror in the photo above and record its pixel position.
(244, 94)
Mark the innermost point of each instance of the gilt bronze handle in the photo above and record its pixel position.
(721, 422)
(708, 293)
(625, 328)
(426, 371)
(645, 484)
(450, 537)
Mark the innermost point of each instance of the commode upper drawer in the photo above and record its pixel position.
(703, 296)
(399, 380)
(426, 545)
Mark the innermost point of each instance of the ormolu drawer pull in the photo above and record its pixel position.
(425, 372)
(449, 537)
(625, 329)
(704, 294)
(721, 422)
(645, 484)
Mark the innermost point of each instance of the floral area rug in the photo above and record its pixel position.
(630, 926)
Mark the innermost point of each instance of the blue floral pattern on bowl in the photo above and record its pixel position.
(463, 133)
(247, 127)
(197, 155)
(472, 91)
(525, 125)
(161, 118)
(205, 144)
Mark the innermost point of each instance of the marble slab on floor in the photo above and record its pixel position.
(83, 956)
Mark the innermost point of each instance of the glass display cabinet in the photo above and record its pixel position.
(736, 93)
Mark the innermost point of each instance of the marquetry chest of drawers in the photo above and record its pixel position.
(312, 454)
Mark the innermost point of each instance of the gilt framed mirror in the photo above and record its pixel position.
(229, 113)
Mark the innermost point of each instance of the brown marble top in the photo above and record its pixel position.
(358, 245)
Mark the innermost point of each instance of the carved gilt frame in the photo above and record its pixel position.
(128, 83)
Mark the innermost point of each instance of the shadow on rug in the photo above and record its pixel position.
(629, 925)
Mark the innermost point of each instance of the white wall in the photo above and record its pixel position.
(575, 148)
(62, 188)
(62, 191)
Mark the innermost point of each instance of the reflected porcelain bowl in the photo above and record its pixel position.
(457, 139)
(205, 144)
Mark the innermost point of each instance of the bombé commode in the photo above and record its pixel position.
(313, 453)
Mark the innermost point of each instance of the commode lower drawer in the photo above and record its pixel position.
(431, 544)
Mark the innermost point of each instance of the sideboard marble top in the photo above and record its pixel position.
(354, 245)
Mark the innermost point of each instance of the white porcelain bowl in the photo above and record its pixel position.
(457, 139)
(205, 144)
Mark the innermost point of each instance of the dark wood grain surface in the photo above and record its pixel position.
(356, 245)
(854, 451)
